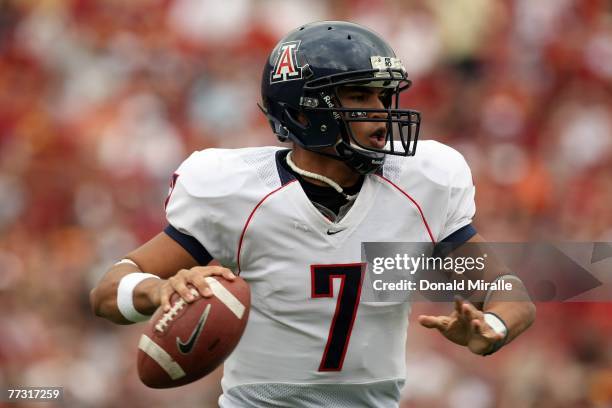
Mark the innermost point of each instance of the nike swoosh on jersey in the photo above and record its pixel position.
(187, 347)
(332, 232)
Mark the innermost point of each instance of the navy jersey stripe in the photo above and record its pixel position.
(190, 244)
(454, 240)
(461, 235)
(285, 176)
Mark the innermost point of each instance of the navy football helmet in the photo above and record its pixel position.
(300, 98)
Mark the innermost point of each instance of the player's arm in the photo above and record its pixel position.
(173, 269)
(514, 307)
(495, 318)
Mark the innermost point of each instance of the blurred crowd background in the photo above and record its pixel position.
(100, 100)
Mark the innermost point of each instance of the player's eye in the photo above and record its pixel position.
(358, 97)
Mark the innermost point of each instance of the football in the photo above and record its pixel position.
(192, 339)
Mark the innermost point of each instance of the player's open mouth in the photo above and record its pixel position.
(378, 138)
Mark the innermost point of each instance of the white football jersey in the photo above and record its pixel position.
(310, 341)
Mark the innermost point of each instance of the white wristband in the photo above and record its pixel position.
(496, 324)
(125, 296)
(127, 261)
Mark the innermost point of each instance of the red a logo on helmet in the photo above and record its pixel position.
(285, 67)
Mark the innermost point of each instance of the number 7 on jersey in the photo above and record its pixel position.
(351, 276)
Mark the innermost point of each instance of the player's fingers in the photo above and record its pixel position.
(490, 334)
(199, 274)
(433, 322)
(179, 284)
(477, 327)
(214, 271)
(470, 312)
(199, 281)
(480, 328)
(221, 271)
(461, 310)
(459, 305)
(164, 296)
(229, 275)
(495, 337)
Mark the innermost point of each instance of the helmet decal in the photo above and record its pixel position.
(383, 63)
(330, 104)
(285, 67)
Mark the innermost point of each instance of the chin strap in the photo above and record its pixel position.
(358, 160)
(319, 177)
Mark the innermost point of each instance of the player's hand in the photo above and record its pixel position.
(187, 279)
(464, 326)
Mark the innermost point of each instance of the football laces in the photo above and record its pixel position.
(167, 317)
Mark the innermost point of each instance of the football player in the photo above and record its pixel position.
(291, 223)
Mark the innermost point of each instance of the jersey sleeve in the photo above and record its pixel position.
(203, 210)
(461, 205)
